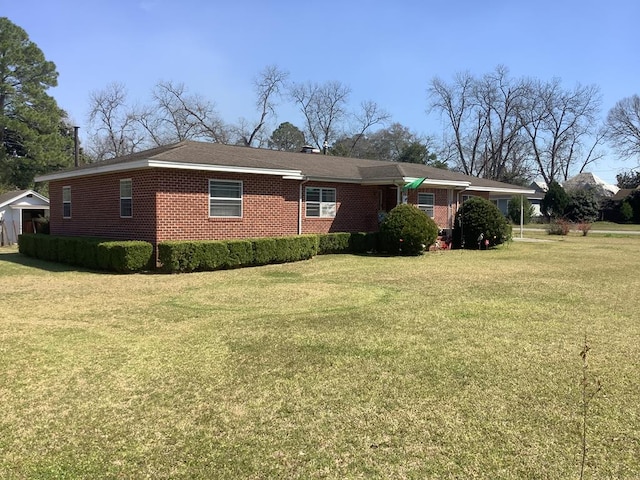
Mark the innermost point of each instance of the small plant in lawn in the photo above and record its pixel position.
(584, 227)
(559, 227)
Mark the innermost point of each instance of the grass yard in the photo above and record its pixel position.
(451, 365)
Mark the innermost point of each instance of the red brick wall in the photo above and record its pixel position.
(95, 207)
(441, 204)
(270, 207)
(356, 209)
(174, 204)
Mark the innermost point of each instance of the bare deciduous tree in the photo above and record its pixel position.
(623, 123)
(455, 102)
(175, 115)
(267, 86)
(370, 114)
(559, 123)
(511, 130)
(323, 107)
(114, 126)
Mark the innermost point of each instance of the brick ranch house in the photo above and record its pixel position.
(193, 190)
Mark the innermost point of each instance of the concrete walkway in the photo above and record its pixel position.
(516, 231)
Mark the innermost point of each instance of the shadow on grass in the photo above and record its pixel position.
(20, 259)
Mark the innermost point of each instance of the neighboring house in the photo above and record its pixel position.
(18, 209)
(193, 190)
(589, 181)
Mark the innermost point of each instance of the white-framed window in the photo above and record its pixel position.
(426, 203)
(225, 198)
(320, 202)
(66, 202)
(126, 198)
(466, 197)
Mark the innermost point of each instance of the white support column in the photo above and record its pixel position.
(521, 216)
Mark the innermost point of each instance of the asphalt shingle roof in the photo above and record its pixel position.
(315, 166)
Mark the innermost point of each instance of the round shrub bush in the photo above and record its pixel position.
(407, 230)
(479, 221)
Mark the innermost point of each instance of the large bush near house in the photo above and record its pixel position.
(407, 230)
(479, 220)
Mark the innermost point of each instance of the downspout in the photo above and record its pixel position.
(300, 206)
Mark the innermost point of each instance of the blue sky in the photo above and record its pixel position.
(385, 51)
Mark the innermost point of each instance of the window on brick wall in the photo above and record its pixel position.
(426, 202)
(225, 198)
(320, 202)
(126, 198)
(66, 202)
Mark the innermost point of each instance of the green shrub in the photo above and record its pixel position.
(334, 243)
(363, 242)
(583, 207)
(626, 212)
(264, 251)
(240, 253)
(47, 248)
(211, 255)
(124, 256)
(480, 224)
(27, 244)
(407, 230)
(208, 255)
(179, 255)
(67, 250)
(293, 249)
(87, 252)
(555, 201)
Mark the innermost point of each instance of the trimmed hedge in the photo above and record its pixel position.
(334, 243)
(94, 253)
(206, 255)
(190, 255)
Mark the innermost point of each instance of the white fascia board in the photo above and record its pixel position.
(442, 183)
(93, 170)
(140, 164)
(514, 191)
(224, 168)
(334, 180)
(30, 207)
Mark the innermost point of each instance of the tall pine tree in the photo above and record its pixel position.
(34, 135)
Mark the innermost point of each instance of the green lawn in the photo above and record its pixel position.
(451, 365)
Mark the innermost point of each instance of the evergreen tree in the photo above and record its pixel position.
(34, 137)
(555, 201)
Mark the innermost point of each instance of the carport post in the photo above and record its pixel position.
(521, 215)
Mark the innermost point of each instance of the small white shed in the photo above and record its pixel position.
(18, 209)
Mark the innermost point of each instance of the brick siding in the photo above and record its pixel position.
(172, 204)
